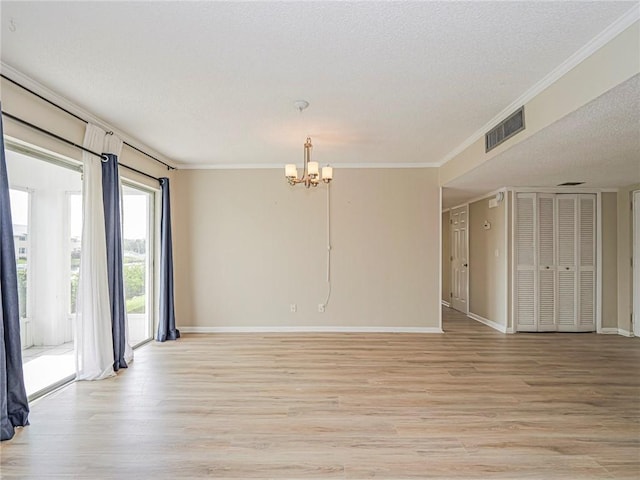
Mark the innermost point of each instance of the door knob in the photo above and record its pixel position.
(465, 265)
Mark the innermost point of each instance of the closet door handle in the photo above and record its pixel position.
(465, 264)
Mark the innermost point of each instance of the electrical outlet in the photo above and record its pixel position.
(293, 308)
(321, 307)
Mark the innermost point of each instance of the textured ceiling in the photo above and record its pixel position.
(598, 144)
(214, 82)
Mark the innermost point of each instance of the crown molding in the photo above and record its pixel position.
(279, 166)
(597, 42)
(56, 98)
(229, 166)
(386, 165)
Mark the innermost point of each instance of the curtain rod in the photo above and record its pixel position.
(138, 171)
(51, 134)
(169, 167)
(73, 144)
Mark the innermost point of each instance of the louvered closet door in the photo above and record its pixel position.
(586, 321)
(546, 263)
(566, 212)
(525, 254)
(555, 251)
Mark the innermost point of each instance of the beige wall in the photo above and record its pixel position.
(609, 261)
(446, 257)
(625, 297)
(247, 245)
(487, 272)
(611, 65)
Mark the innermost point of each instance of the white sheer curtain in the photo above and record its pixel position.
(113, 144)
(94, 343)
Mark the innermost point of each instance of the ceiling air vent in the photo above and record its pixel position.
(513, 124)
(569, 184)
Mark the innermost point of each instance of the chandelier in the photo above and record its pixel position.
(310, 173)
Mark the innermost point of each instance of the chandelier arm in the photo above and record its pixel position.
(307, 157)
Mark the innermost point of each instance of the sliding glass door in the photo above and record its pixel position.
(42, 219)
(137, 215)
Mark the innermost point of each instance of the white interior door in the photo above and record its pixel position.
(459, 259)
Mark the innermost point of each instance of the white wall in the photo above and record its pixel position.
(247, 245)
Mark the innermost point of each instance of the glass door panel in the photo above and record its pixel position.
(137, 208)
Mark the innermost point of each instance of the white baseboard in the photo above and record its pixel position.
(490, 323)
(323, 329)
(616, 331)
(445, 303)
(609, 331)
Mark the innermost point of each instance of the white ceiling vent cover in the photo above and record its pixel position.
(506, 129)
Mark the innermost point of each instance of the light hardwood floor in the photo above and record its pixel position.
(469, 404)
